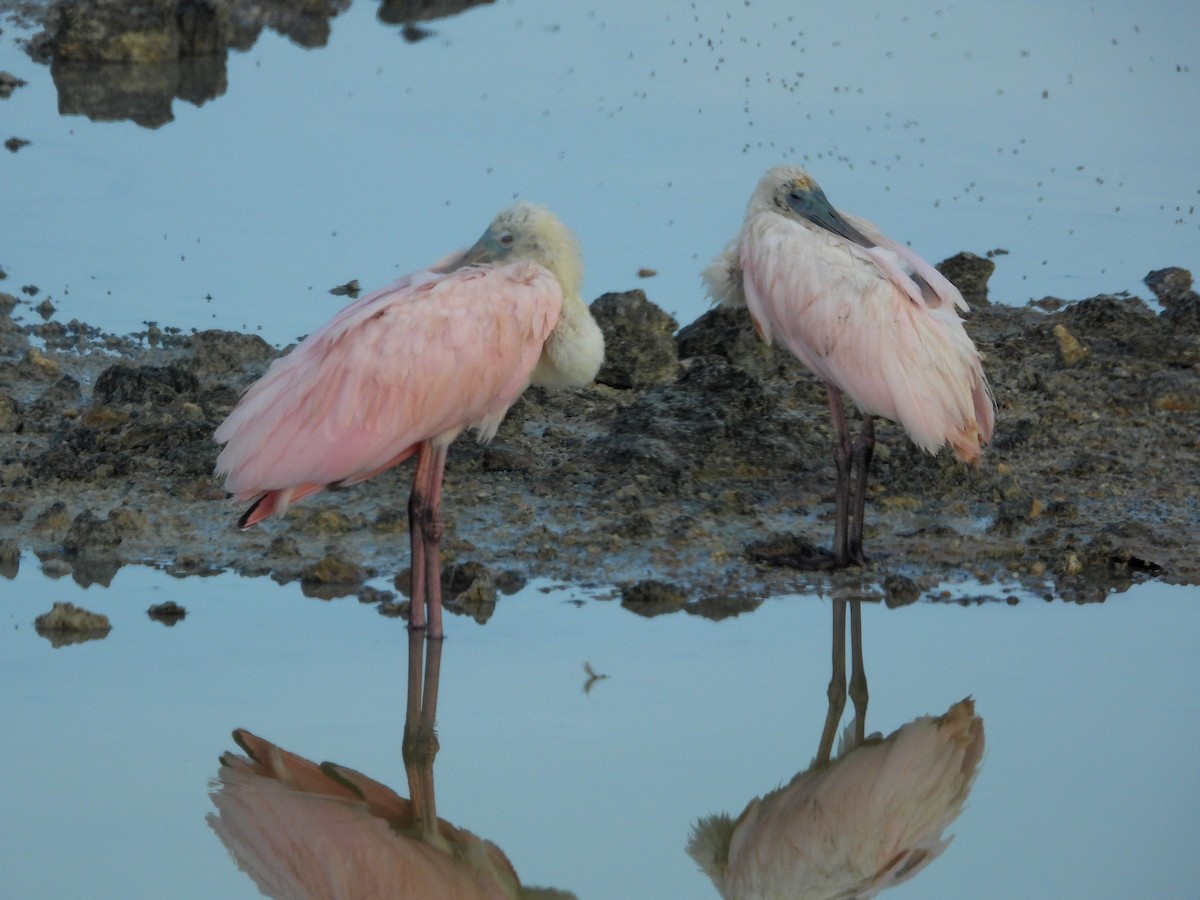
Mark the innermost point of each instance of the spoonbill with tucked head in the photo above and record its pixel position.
(866, 315)
(405, 370)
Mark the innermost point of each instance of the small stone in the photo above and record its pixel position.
(1071, 564)
(333, 570)
(900, 590)
(653, 598)
(53, 519)
(67, 623)
(1069, 347)
(168, 613)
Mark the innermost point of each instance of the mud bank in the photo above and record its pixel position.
(698, 454)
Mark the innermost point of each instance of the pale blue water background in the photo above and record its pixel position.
(1088, 787)
(371, 156)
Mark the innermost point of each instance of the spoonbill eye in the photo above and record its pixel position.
(506, 239)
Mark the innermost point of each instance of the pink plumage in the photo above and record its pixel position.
(418, 361)
(870, 819)
(856, 318)
(323, 832)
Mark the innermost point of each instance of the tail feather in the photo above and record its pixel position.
(273, 503)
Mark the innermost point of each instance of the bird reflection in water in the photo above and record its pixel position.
(304, 831)
(849, 826)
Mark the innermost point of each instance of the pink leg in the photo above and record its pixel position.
(425, 526)
(837, 683)
(420, 739)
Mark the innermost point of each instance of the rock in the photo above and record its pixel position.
(469, 589)
(217, 352)
(653, 598)
(168, 613)
(1181, 304)
(639, 344)
(332, 576)
(729, 334)
(969, 273)
(9, 83)
(153, 31)
(91, 536)
(143, 385)
(67, 623)
(1069, 348)
(10, 414)
(10, 559)
(53, 519)
(900, 590)
(498, 456)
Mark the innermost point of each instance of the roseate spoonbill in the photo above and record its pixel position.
(869, 819)
(866, 315)
(304, 831)
(404, 370)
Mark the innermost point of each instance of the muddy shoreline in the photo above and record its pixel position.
(698, 453)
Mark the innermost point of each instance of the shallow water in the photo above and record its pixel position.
(1061, 133)
(1086, 790)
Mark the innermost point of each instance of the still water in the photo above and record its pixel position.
(1059, 133)
(1087, 788)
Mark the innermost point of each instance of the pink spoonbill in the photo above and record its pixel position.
(867, 316)
(406, 369)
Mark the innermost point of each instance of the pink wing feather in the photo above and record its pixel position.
(855, 317)
(418, 361)
(313, 832)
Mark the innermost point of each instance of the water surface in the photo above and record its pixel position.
(1087, 788)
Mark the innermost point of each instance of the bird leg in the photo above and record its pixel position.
(841, 457)
(420, 745)
(425, 529)
(858, 674)
(837, 683)
(861, 453)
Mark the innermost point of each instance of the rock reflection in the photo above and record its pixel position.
(849, 826)
(305, 830)
(140, 93)
(113, 61)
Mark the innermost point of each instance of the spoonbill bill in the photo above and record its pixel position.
(867, 316)
(405, 370)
